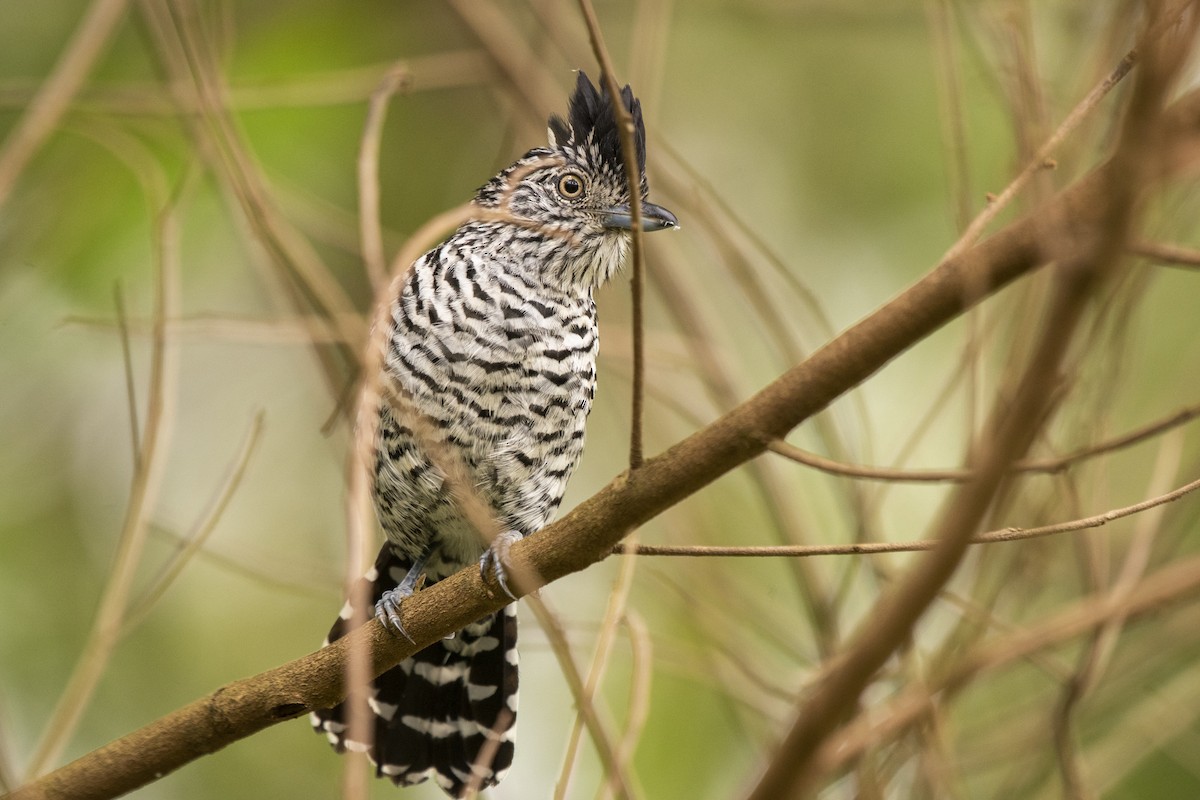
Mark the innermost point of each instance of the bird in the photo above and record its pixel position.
(493, 341)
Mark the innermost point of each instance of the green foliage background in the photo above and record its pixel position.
(822, 127)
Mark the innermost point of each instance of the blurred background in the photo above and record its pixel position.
(820, 155)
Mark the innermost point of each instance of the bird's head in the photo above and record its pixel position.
(569, 202)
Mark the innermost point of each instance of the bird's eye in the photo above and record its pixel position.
(570, 186)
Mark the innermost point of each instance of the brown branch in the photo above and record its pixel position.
(588, 533)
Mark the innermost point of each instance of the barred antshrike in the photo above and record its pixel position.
(493, 340)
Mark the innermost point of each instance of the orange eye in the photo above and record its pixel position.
(570, 186)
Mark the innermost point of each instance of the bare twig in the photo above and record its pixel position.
(682, 300)
(1173, 255)
(637, 282)
(353, 85)
(54, 96)
(614, 613)
(487, 754)
(950, 94)
(872, 548)
(359, 513)
(1175, 583)
(1096, 653)
(1044, 156)
(370, 230)
(598, 728)
(376, 389)
(520, 66)
(641, 646)
(191, 544)
(112, 606)
(791, 773)
(299, 273)
(8, 775)
(1011, 429)
(1048, 466)
(135, 432)
(226, 327)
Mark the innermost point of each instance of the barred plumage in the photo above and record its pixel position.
(494, 341)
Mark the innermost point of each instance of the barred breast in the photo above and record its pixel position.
(503, 366)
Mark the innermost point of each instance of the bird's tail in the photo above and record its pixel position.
(448, 712)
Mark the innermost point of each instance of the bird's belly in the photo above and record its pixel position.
(515, 458)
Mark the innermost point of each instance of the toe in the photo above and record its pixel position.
(387, 611)
(496, 557)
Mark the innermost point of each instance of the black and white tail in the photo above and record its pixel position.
(447, 712)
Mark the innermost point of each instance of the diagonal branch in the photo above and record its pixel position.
(588, 533)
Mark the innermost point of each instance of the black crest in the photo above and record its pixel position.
(590, 118)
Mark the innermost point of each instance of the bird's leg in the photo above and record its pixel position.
(496, 557)
(387, 609)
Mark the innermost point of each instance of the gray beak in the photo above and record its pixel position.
(654, 218)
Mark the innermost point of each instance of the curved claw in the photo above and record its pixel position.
(496, 556)
(387, 611)
(387, 608)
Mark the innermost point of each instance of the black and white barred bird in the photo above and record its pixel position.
(494, 340)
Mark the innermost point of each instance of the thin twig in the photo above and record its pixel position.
(487, 754)
(143, 492)
(358, 510)
(1098, 650)
(1172, 255)
(53, 98)
(1048, 466)
(8, 775)
(682, 299)
(637, 283)
(370, 230)
(298, 270)
(1011, 534)
(530, 84)
(1174, 583)
(1043, 158)
(225, 327)
(375, 390)
(1013, 424)
(641, 646)
(350, 86)
(600, 730)
(613, 615)
(950, 97)
(191, 544)
(293, 578)
(135, 432)
(719, 625)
